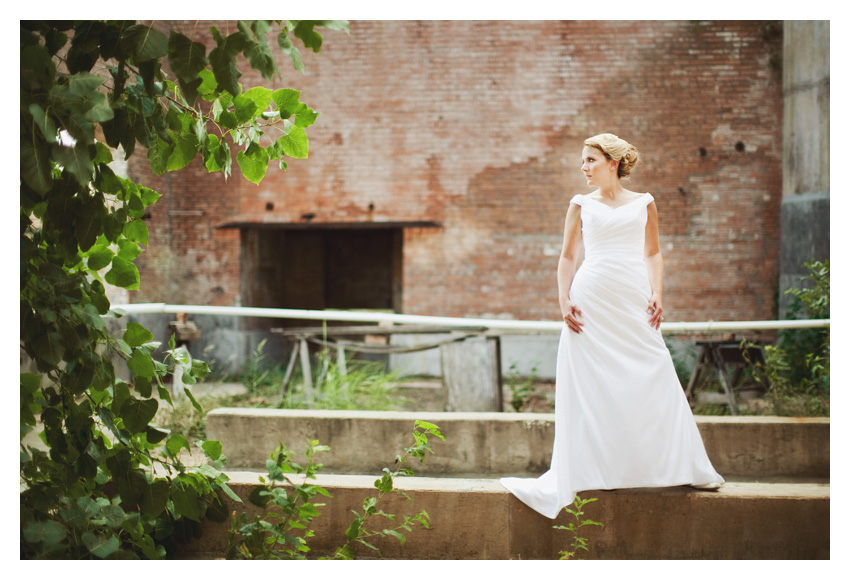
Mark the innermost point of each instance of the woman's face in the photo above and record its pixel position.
(598, 170)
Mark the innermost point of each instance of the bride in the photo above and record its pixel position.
(621, 416)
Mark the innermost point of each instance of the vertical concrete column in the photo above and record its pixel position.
(805, 157)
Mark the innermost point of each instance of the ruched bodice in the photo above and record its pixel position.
(613, 233)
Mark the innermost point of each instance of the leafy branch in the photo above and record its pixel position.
(281, 530)
(578, 542)
(111, 483)
(357, 531)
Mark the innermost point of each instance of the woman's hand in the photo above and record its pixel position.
(571, 312)
(655, 310)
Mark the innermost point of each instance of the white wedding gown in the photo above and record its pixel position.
(621, 416)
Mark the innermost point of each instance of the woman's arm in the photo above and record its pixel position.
(654, 266)
(567, 264)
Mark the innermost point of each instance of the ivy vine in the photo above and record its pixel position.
(108, 483)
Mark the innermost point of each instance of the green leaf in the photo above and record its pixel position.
(185, 149)
(254, 162)
(148, 196)
(137, 335)
(158, 155)
(144, 43)
(400, 537)
(36, 169)
(44, 123)
(154, 435)
(286, 46)
(305, 116)
(88, 216)
(287, 101)
(295, 143)
(200, 369)
(49, 347)
(257, 49)
(245, 109)
(75, 160)
(187, 60)
(223, 60)
(135, 209)
(137, 413)
(185, 498)
(261, 59)
(191, 397)
(208, 87)
(82, 95)
(177, 442)
(123, 274)
(141, 364)
(259, 497)
(30, 382)
(154, 498)
(310, 38)
(136, 231)
(102, 154)
(99, 257)
(212, 449)
(48, 531)
(129, 250)
(100, 546)
(213, 158)
(341, 25)
(385, 484)
(113, 516)
(37, 68)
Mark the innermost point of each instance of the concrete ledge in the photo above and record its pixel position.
(496, 444)
(474, 519)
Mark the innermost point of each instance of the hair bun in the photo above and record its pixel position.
(616, 149)
(628, 162)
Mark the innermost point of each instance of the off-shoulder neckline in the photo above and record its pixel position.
(642, 196)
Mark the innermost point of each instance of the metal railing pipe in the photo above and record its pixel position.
(490, 323)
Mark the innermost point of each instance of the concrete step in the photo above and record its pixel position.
(498, 444)
(473, 519)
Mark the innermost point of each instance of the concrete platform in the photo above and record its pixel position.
(497, 444)
(473, 519)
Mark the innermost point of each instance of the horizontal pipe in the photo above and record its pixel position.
(516, 325)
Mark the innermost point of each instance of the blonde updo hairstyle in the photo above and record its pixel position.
(616, 149)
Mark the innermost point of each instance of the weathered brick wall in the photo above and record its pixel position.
(479, 126)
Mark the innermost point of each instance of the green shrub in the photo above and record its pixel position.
(796, 369)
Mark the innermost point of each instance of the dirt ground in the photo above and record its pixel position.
(431, 395)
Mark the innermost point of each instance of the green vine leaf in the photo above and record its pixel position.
(123, 274)
(184, 151)
(137, 413)
(143, 43)
(295, 143)
(223, 60)
(186, 498)
(136, 231)
(154, 498)
(187, 60)
(254, 162)
(100, 546)
(137, 335)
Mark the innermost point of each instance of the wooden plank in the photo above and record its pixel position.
(363, 330)
(724, 379)
(290, 368)
(472, 374)
(305, 370)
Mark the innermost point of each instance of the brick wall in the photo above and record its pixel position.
(479, 126)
